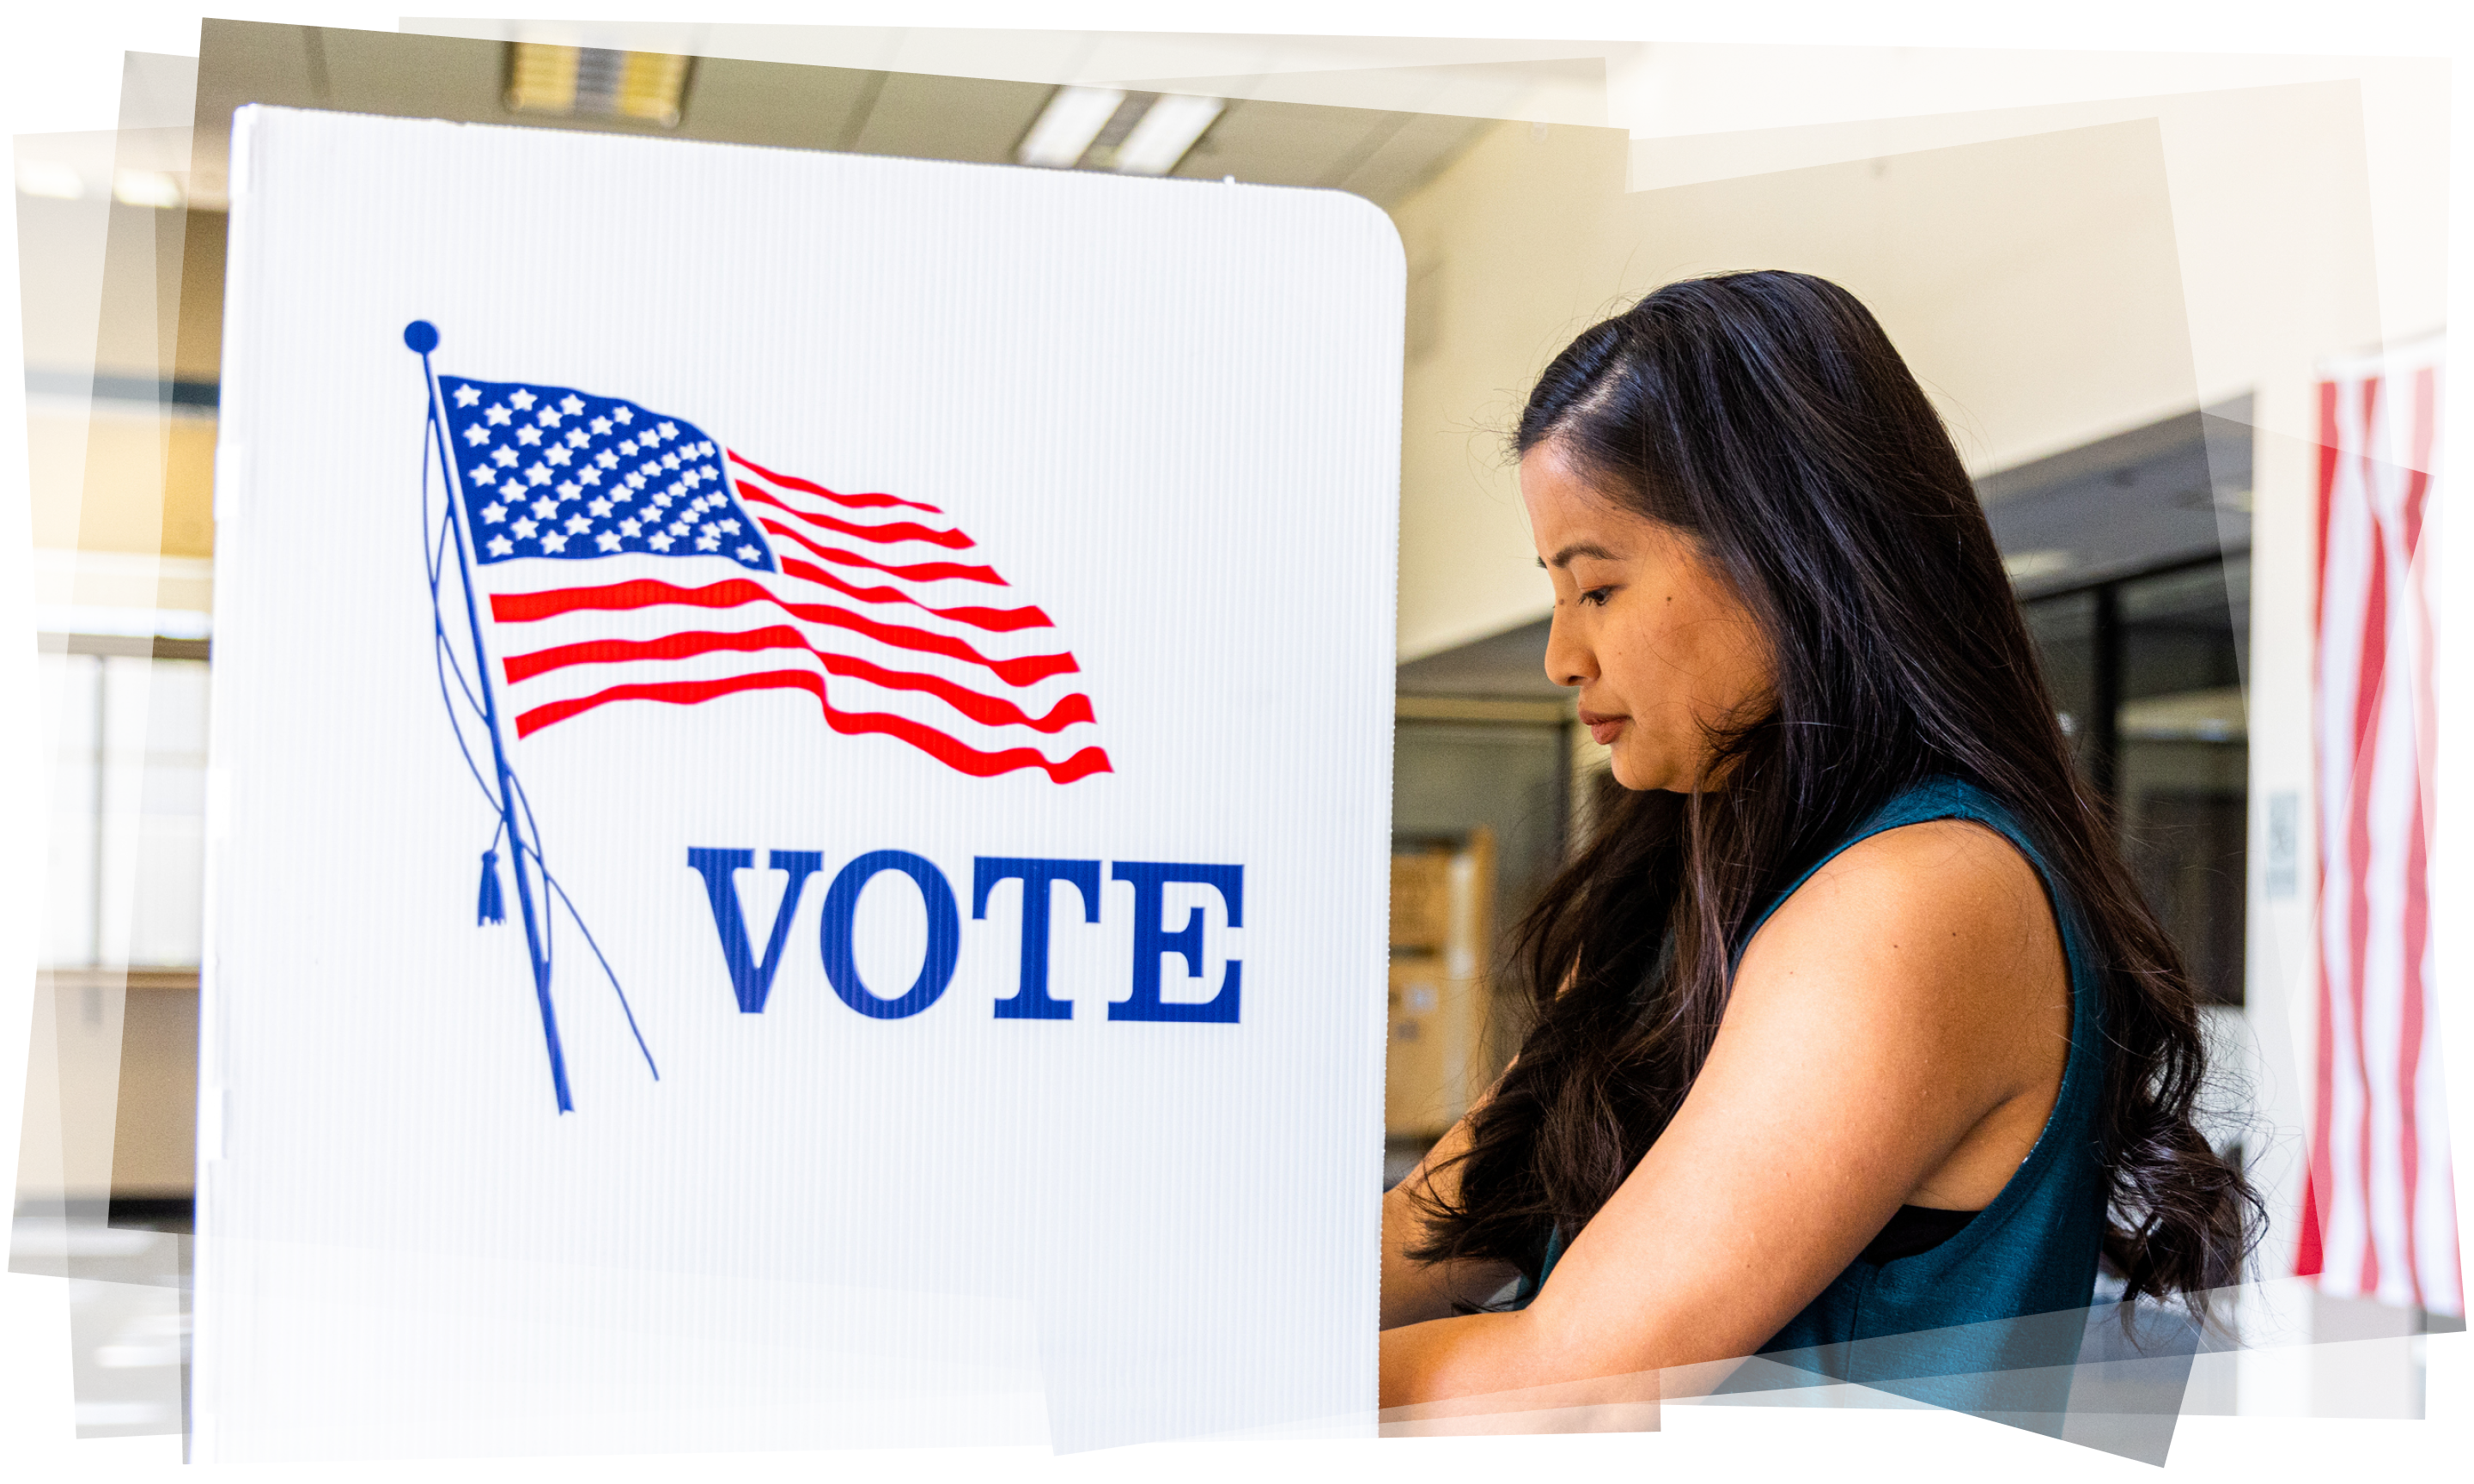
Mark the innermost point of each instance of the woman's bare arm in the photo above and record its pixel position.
(1414, 1291)
(1898, 1028)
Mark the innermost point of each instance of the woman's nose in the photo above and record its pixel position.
(1569, 661)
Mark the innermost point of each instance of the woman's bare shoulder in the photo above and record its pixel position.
(1964, 878)
(1941, 928)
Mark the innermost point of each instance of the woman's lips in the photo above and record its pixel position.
(1602, 728)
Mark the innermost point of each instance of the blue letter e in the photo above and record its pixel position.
(751, 979)
(1151, 940)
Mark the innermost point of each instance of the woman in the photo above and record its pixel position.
(1853, 1044)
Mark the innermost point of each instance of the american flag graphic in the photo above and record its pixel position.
(627, 556)
(2379, 1214)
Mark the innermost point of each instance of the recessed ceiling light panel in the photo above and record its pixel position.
(588, 81)
(146, 188)
(49, 178)
(1165, 132)
(1072, 118)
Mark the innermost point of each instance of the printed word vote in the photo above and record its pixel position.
(751, 974)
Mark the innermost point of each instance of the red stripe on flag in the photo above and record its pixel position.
(2308, 1255)
(2418, 860)
(2321, 1174)
(916, 571)
(890, 532)
(811, 487)
(946, 750)
(989, 710)
(994, 620)
(999, 619)
(2367, 685)
(644, 592)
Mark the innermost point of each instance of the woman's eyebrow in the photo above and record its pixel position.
(1564, 557)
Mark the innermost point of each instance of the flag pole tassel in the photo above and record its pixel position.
(494, 907)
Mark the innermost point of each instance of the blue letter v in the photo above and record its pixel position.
(751, 979)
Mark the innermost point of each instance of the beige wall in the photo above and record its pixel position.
(2033, 329)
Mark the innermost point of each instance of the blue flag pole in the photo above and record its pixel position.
(421, 337)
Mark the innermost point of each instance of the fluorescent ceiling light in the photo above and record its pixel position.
(541, 78)
(1072, 118)
(638, 84)
(1166, 132)
(587, 82)
(146, 188)
(49, 178)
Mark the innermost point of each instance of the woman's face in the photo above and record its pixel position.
(1654, 637)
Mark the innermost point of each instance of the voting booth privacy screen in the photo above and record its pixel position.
(800, 761)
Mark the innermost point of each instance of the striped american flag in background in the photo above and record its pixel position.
(627, 556)
(2378, 1213)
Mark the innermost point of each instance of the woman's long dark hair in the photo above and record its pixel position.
(1767, 415)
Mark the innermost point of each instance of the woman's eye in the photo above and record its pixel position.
(1597, 596)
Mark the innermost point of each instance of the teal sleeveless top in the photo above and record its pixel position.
(1990, 1319)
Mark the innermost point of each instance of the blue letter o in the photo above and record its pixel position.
(944, 935)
